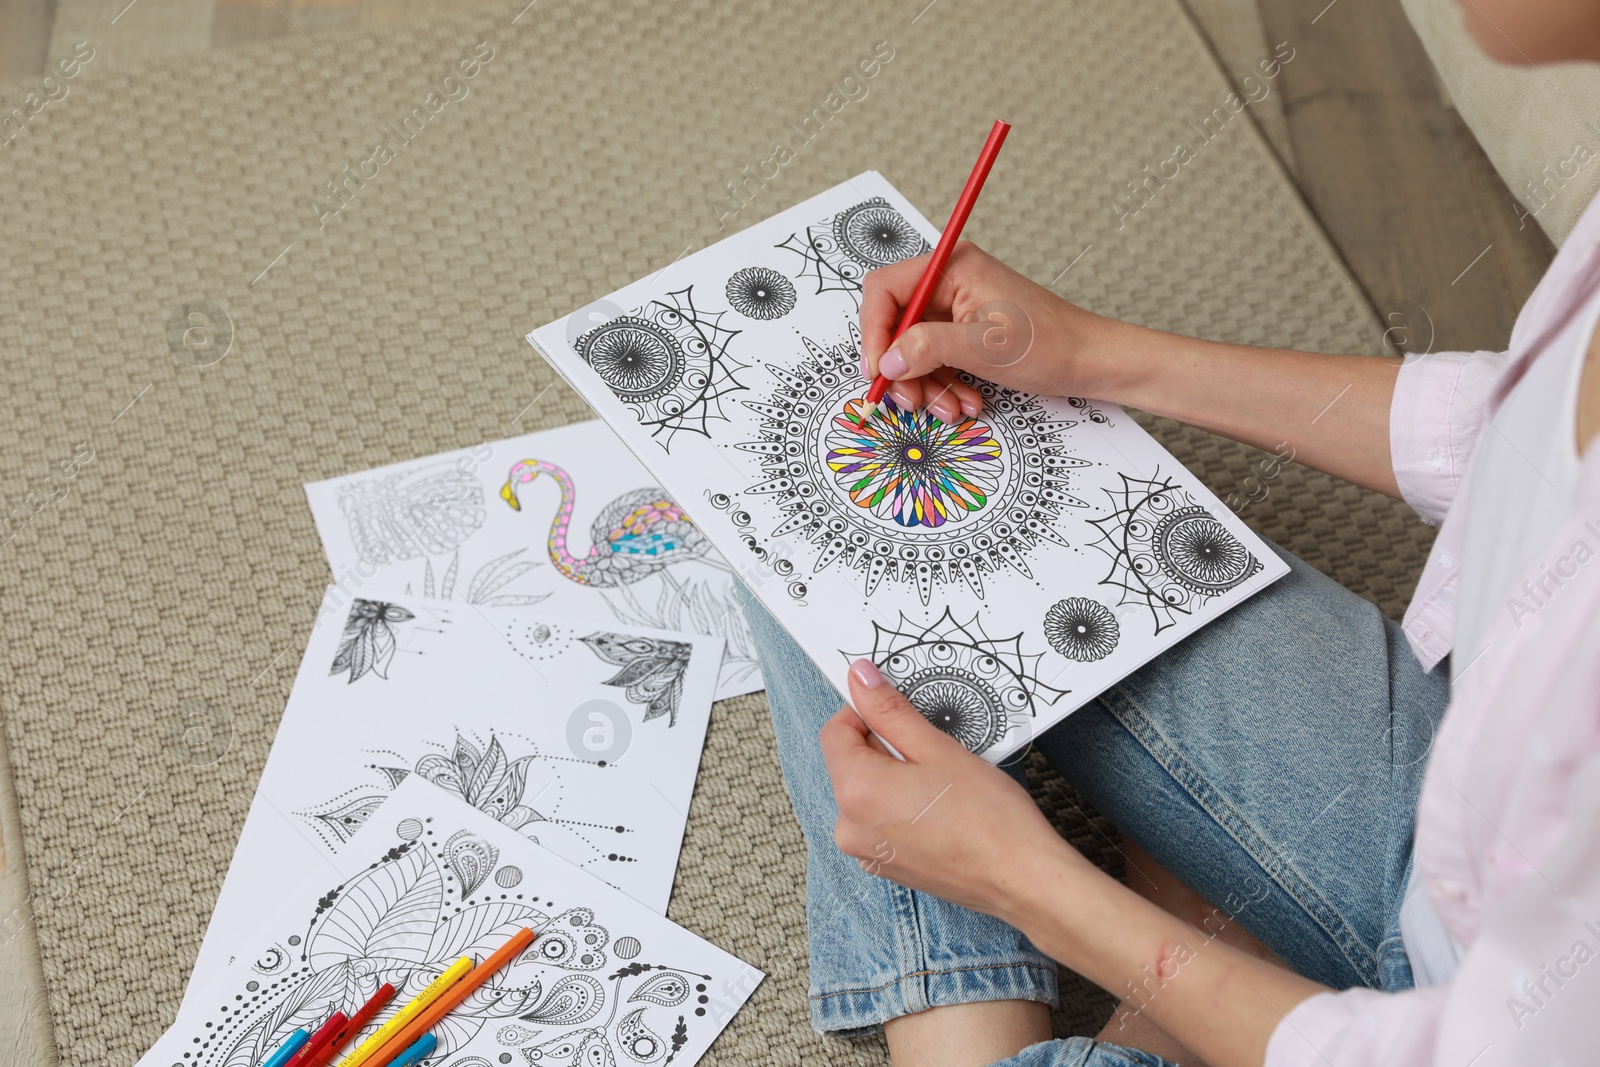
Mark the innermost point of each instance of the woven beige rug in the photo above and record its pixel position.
(162, 217)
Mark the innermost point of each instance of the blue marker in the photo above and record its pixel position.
(419, 1051)
(286, 1051)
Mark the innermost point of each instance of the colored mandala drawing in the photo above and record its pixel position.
(668, 362)
(974, 688)
(636, 535)
(905, 498)
(760, 293)
(837, 253)
(368, 643)
(1167, 552)
(412, 913)
(909, 467)
(428, 510)
(1081, 629)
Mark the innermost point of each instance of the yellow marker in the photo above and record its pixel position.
(436, 989)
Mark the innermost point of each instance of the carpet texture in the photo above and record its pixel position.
(161, 215)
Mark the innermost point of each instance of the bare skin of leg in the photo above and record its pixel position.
(967, 1035)
(974, 1035)
(1128, 1026)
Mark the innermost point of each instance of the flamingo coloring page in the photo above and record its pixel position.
(583, 737)
(566, 519)
(431, 878)
(1002, 571)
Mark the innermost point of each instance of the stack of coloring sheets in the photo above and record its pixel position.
(496, 724)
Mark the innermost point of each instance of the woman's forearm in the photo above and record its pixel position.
(1329, 412)
(1222, 1003)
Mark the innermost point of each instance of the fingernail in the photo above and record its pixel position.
(864, 372)
(865, 672)
(902, 396)
(893, 364)
(944, 411)
(971, 408)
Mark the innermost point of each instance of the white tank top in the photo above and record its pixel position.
(1524, 483)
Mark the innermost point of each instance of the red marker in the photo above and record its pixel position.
(918, 304)
(320, 1040)
(361, 1018)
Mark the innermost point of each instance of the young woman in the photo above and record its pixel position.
(1412, 840)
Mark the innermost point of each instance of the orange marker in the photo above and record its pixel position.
(452, 999)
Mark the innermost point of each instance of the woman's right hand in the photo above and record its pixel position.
(986, 319)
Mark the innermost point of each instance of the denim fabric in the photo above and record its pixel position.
(1272, 761)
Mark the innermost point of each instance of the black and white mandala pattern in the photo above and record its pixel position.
(760, 293)
(668, 362)
(1167, 552)
(837, 253)
(974, 688)
(904, 498)
(1081, 629)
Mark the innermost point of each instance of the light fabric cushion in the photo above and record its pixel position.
(1539, 127)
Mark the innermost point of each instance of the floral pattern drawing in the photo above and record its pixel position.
(652, 670)
(369, 643)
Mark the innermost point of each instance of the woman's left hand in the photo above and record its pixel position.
(943, 821)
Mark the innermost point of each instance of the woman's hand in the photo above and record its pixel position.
(983, 318)
(943, 821)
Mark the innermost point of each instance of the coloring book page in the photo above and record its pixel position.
(585, 738)
(1001, 571)
(567, 519)
(429, 879)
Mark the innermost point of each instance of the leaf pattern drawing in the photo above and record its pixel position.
(428, 509)
(695, 607)
(652, 670)
(402, 921)
(486, 582)
(369, 642)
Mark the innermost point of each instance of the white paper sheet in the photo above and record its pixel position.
(427, 880)
(584, 737)
(1001, 571)
(563, 538)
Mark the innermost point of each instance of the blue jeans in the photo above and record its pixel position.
(1271, 761)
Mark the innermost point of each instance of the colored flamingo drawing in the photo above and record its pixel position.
(636, 535)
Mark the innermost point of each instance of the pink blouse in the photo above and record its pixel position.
(1508, 823)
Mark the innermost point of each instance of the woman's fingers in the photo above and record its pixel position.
(884, 295)
(948, 398)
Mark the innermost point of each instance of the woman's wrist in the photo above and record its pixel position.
(1051, 871)
(1105, 358)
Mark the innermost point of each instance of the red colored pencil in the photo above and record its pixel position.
(361, 1018)
(320, 1040)
(918, 304)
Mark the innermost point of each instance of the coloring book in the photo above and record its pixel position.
(430, 878)
(1001, 571)
(566, 519)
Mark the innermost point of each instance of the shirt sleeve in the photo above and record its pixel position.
(1525, 992)
(1360, 1028)
(1439, 407)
